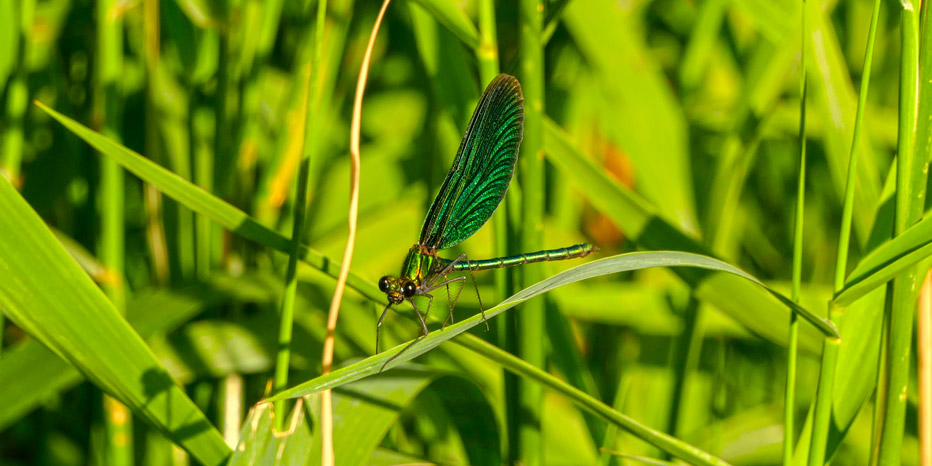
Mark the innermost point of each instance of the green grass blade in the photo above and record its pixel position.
(837, 107)
(532, 325)
(911, 176)
(119, 425)
(667, 443)
(367, 410)
(610, 265)
(41, 374)
(887, 261)
(789, 398)
(311, 116)
(453, 18)
(621, 263)
(52, 299)
(827, 394)
(17, 95)
(202, 202)
(702, 42)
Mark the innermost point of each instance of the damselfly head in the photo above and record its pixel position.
(397, 289)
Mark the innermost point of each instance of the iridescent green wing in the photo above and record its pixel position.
(482, 168)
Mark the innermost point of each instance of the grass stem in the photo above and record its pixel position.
(910, 190)
(326, 418)
(531, 322)
(789, 399)
(825, 391)
(17, 98)
(119, 443)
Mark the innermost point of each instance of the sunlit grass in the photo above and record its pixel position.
(650, 126)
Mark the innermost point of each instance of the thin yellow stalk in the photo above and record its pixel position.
(925, 371)
(326, 412)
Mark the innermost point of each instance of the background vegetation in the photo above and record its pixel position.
(651, 125)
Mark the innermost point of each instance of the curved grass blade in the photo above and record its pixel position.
(204, 203)
(367, 410)
(609, 265)
(615, 264)
(887, 261)
(53, 300)
(453, 18)
(665, 442)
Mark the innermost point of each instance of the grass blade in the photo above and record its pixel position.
(610, 265)
(202, 202)
(789, 399)
(53, 300)
(453, 18)
(620, 263)
(532, 325)
(911, 176)
(887, 261)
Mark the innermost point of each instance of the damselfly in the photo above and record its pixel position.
(475, 185)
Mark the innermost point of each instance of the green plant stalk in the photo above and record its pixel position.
(611, 432)
(569, 362)
(17, 96)
(531, 323)
(312, 108)
(17, 100)
(910, 189)
(789, 399)
(676, 447)
(881, 391)
(823, 402)
(110, 69)
(224, 174)
(202, 130)
(155, 225)
(487, 52)
(119, 427)
(686, 351)
(924, 131)
(487, 56)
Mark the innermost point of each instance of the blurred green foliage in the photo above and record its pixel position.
(671, 124)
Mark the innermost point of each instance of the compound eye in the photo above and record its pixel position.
(409, 289)
(383, 284)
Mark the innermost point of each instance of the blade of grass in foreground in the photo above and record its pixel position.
(887, 261)
(48, 295)
(609, 265)
(910, 196)
(615, 264)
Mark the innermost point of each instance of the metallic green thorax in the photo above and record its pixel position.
(418, 265)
